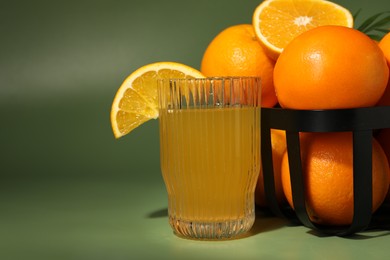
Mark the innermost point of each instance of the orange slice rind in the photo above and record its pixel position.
(136, 100)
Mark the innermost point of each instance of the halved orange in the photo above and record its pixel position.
(136, 100)
(277, 22)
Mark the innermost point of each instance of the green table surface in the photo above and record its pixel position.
(127, 219)
(68, 189)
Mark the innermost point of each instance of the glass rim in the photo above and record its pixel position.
(219, 78)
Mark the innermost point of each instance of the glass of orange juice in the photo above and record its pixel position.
(210, 154)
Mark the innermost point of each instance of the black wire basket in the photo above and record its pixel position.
(362, 122)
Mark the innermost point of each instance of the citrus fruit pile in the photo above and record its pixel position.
(309, 56)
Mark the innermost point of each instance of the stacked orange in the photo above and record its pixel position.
(326, 67)
(384, 135)
(327, 169)
(236, 52)
(329, 66)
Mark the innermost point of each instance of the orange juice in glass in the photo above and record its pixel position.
(210, 154)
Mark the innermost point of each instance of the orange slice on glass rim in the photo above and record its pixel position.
(277, 22)
(136, 100)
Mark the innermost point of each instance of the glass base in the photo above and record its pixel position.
(211, 230)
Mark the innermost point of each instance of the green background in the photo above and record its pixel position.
(68, 189)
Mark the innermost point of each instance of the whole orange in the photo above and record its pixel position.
(383, 136)
(330, 67)
(278, 143)
(236, 51)
(384, 44)
(328, 177)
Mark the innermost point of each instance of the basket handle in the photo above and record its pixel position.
(361, 122)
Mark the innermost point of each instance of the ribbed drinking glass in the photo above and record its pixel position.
(210, 154)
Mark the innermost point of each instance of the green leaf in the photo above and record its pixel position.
(375, 37)
(368, 22)
(382, 30)
(379, 24)
(375, 26)
(356, 14)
